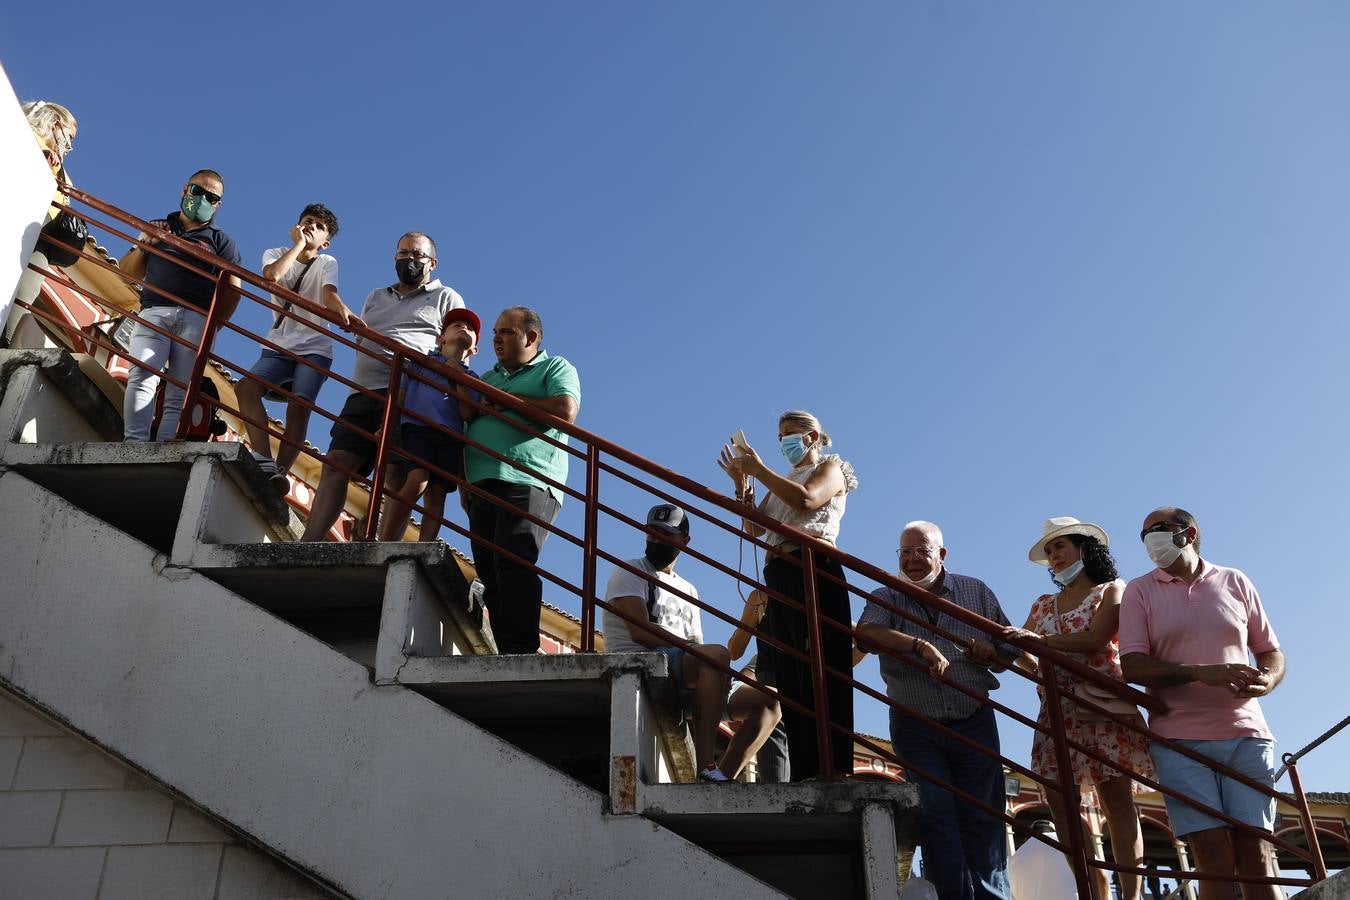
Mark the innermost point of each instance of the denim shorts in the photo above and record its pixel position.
(286, 372)
(1252, 756)
(675, 663)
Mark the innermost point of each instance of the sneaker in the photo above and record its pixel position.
(714, 775)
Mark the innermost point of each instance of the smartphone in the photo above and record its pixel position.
(738, 440)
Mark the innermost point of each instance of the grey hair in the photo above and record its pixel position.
(43, 114)
(930, 530)
(807, 420)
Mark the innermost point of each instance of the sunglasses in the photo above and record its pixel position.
(197, 190)
(1162, 526)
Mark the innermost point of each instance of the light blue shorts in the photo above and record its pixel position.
(1253, 757)
(286, 372)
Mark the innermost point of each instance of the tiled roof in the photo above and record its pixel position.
(1329, 797)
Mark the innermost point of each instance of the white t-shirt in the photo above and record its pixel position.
(309, 336)
(675, 614)
(1040, 872)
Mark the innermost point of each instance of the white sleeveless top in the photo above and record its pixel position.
(823, 522)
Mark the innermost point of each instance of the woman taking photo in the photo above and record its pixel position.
(1081, 619)
(810, 498)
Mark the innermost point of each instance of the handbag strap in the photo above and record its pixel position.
(295, 287)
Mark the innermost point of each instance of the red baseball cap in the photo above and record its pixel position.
(463, 314)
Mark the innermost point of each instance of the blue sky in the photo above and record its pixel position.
(1023, 260)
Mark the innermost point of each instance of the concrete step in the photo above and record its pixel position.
(376, 602)
(145, 489)
(808, 840)
(374, 790)
(559, 708)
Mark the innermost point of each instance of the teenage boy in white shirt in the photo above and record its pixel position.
(314, 276)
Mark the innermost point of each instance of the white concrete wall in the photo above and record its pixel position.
(377, 790)
(27, 185)
(76, 823)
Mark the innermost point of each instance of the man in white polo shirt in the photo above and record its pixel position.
(1186, 631)
(410, 311)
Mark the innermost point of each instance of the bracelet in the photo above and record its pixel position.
(918, 642)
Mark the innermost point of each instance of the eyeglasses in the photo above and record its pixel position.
(915, 552)
(1162, 526)
(412, 254)
(197, 190)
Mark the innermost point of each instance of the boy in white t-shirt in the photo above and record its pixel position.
(702, 688)
(314, 276)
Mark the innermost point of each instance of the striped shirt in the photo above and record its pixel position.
(913, 687)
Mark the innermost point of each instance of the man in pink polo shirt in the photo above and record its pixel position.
(1186, 629)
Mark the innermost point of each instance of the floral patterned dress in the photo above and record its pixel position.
(1108, 738)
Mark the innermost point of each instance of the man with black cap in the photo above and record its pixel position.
(652, 611)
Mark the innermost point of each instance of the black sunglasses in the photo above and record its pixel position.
(1163, 526)
(197, 190)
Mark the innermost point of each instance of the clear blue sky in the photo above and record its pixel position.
(1023, 260)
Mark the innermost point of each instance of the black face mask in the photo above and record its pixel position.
(661, 555)
(410, 271)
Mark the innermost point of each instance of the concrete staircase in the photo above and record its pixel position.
(338, 705)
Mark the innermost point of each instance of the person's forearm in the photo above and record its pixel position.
(1271, 663)
(790, 492)
(278, 268)
(564, 406)
(1140, 668)
(133, 262)
(888, 639)
(1078, 642)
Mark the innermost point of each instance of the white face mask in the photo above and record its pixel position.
(926, 582)
(1161, 548)
(1065, 576)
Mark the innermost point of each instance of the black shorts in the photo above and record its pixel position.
(436, 447)
(361, 411)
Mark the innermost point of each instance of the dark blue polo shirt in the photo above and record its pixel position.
(173, 279)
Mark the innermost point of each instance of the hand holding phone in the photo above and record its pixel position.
(738, 441)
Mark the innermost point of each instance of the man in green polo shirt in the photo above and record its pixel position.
(528, 482)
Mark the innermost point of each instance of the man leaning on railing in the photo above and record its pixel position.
(409, 311)
(513, 593)
(175, 300)
(1186, 629)
(964, 850)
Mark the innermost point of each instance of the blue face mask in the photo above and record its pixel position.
(794, 448)
(198, 209)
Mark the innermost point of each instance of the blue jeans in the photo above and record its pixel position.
(156, 350)
(965, 853)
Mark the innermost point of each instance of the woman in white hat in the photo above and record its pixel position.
(1082, 619)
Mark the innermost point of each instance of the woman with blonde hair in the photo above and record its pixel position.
(810, 497)
(54, 130)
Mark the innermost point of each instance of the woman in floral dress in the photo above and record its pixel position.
(1082, 619)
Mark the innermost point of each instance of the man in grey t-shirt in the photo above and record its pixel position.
(411, 312)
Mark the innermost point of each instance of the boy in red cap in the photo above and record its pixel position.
(444, 403)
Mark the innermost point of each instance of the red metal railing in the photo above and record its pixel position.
(602, 457)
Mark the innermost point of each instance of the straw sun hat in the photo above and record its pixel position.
(1059, 526)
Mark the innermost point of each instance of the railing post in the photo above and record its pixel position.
(1305, 816)
(199, 363)
(590, 539)
(1068, 788)
(391, 410)
(818, 685)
